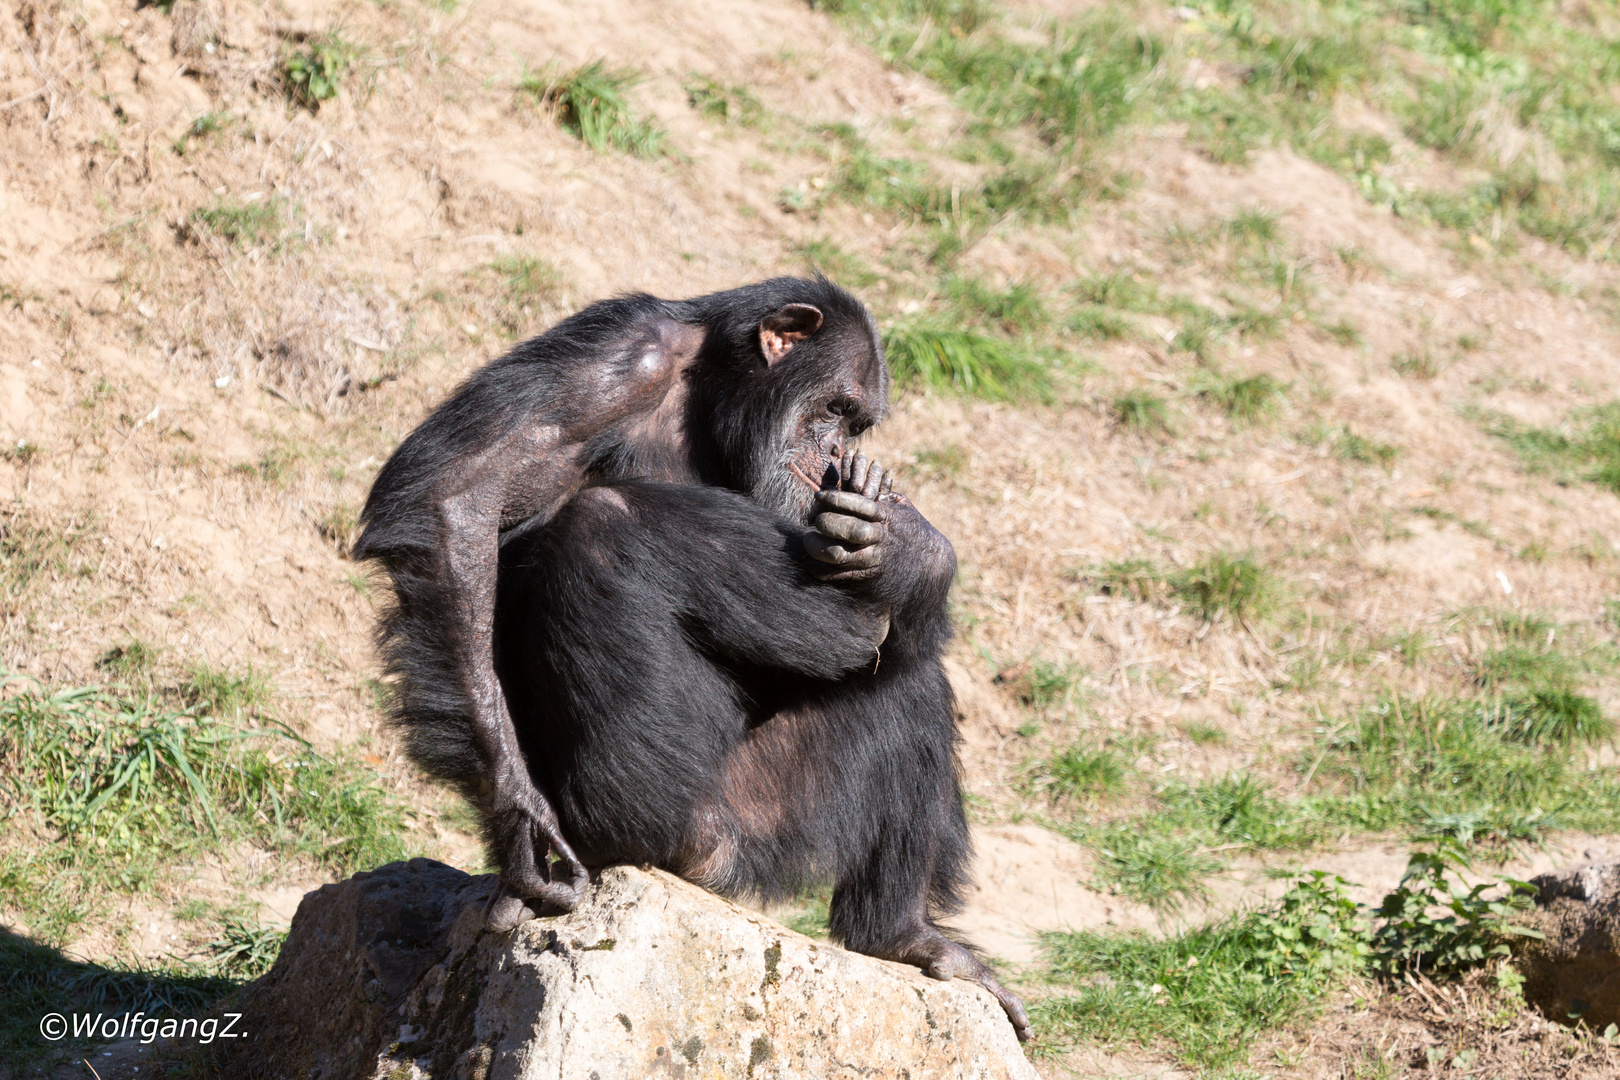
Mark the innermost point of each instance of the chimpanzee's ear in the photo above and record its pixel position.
(782, 329)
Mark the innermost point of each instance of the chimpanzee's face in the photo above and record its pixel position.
(848, 396)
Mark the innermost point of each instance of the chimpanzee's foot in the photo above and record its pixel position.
(522, 829)
(944, 959)
(505, 910)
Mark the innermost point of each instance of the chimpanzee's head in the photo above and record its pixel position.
(794, 371)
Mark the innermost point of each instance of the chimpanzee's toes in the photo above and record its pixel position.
(506, 912)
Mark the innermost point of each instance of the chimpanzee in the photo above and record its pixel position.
(701, 684)
(789, 728)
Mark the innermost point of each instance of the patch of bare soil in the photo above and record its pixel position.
(1470, 1028)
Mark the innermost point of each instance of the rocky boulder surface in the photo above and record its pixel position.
(391, 974)
(1574, 970)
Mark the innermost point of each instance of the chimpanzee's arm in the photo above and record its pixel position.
(740, 578)
(512, 444)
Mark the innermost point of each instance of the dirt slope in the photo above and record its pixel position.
(212, 334)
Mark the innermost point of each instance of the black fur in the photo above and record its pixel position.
(651, 632)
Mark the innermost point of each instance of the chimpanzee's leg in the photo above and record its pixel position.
(861, 784)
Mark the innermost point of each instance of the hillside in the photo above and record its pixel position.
(1261, 360)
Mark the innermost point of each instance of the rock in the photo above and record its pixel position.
(391, 976)
(1574, 971)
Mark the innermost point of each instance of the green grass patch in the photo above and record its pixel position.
(1207, 994)
(590, 101)
(1098, 324)
(1159, 867)
(1015, 309)
(827, 258)
(1246, 399)
(1585, 449)
(244, 224)
(1225, 584)
(117, 787)
(1083, 772)
(722, 103)
(1141, 410)
(1498, 769)
(946, 359)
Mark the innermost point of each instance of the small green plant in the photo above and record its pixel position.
(964, 362)
(1343, 332)
(245, 950)
(1240, 808)
(1122, 290)
(245, 224)
(1588, 448)
(1316, 931)
(1474, 929)
(206, 124)
(1416, 365)
(1225, 584)
(1083, 772)
(1140, 579)
(1350, 446)
(313, 72)
(1098, 324)
(1252, 227)
(1017, 308)
(223, 693)
(1141, 410)
(827, 258)
(132, 663)
(1041, 684)
(1204, 733)
(727, 104)
(1245, 400)
(1551, 714)
(811, 916)
(590, 101)
(1152, 866)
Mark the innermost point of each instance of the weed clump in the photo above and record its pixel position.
(313, 72)
(1141, 410)
(1225, 584)
(244, 224)
(1083, 772)
(590, 102)
(1587, 449)
(726, 104)
(1246, 400)
(964, 362)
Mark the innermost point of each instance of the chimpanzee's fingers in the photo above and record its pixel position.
(821, 549)
(874, 481)
(888, 483)
(849, 502)
(855, 475)
(851, 530)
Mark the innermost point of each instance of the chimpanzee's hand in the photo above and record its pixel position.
(852, 522)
